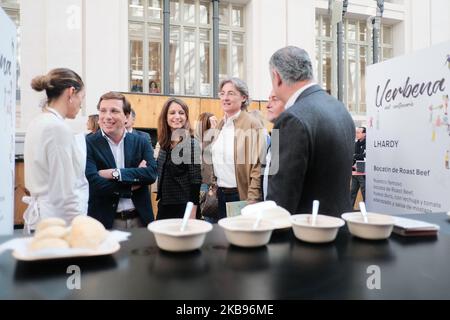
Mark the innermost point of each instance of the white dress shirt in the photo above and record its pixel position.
(297, 94)
(53, 165)
(223, 154)
(118, 152)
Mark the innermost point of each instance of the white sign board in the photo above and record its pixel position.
(408, 134)
(8, 45)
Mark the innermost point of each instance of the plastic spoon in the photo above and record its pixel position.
(315, 210)
(258, 220)
(186, 216)
(362, 207)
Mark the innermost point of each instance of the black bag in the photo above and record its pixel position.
(209, 205)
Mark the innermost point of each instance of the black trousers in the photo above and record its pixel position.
(358, 182)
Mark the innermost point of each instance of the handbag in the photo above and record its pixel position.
(209, 205)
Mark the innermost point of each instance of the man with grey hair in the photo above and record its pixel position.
(316, 140)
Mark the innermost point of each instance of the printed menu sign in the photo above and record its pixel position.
(8, 45)
(408, 134)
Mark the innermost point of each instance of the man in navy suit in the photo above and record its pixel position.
(316, 140)
(119, 168)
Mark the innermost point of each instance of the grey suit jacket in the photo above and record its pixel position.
(314, 153)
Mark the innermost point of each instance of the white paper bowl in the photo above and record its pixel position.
(278, 215)
(325, 229)
(378, 227)
(239, 231)
(169, 237)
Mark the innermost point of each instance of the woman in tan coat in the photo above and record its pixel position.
(236, 150)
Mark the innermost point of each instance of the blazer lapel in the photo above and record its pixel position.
(128, 149)
(105, 150)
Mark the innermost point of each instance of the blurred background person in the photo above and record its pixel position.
(53, 163)
(92, 124)
(179, 171)
(129, 125)
(204, 133)
(274, 108)
(359, 179)
(236, 150)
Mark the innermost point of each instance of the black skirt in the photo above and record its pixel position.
(170, 211)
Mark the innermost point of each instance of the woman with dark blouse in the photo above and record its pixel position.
(179, 172)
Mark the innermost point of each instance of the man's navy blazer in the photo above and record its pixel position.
(104, 194)
(314, 154)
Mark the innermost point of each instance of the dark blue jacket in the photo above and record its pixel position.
(104, 194)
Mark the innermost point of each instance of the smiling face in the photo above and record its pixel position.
(112, 119)
(176, 116)
(231, 99)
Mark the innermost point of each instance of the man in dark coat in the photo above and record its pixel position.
(314, 149)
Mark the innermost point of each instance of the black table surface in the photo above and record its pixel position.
(410, 268)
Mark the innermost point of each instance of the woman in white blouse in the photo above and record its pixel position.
(54, 164)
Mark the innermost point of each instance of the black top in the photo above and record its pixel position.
(410, 268)
(179, 173)
(360, 150)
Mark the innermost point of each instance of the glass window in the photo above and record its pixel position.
(223, 55)
(387, 35)
(237, 17)
(351, 77)
(362, 78)
(326, 65)
(351, 30)
(145, 46)
(231, 39)
(174, 10)
(326, 27)
(154, 58)
(136, 8)
(189, 62)
(237, 57)
(154, 9)
(224, 16)
(189, 11)
(204, 12)
(357, 42)
(136, 57)
(190, 45)
(362, 31)
(174, 73)
(204, 52)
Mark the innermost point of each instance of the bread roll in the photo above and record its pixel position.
(48, 222)
(87, 233)
(48, 243)
(52, 232)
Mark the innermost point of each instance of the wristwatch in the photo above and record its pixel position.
(115, 174)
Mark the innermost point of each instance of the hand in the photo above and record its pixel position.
(143, 164)
(213, 121)
(106, 173)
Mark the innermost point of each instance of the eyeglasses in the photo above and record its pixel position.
(231, 94)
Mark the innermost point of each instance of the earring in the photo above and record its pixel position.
(70, 100)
